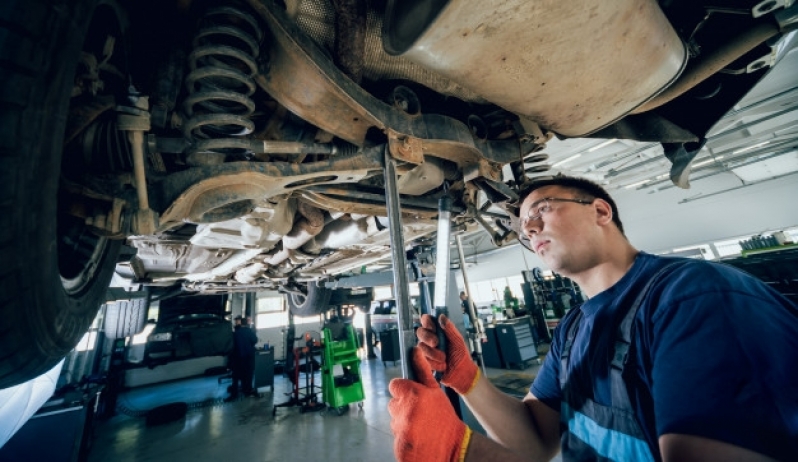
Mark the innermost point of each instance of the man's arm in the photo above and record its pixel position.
(529, 427)
(688, 448)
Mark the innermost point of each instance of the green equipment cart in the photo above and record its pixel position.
(341, 383)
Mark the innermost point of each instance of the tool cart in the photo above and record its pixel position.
(341, 381)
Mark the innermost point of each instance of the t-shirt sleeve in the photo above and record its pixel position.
(714, 369)
(546, 386)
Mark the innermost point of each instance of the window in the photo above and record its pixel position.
(699, 252)
(271, 311)
(515, 283)
(152, 316)
(383, 292)
(729, 247)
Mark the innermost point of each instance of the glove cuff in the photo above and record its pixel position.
(464, 387)
(464, 444)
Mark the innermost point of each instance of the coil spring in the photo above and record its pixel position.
(220, 82)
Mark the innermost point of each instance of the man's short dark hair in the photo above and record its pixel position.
(580, 186)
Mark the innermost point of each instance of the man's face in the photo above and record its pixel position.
(564, 236)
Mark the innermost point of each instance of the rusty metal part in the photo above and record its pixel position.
(192, 193)
(342, 233)
(521, 56)
(155, 256)
(111, 224)
(406, 148)
(178, 145)
(102, 212)
(350, 36)
(82, 114)
(500, 237)
(135, 121)
(316, 18)
(713, 63)
(417, 204)
(249, 273)
(423, 178)
(310, 225)
(304, 80)
(220, 84)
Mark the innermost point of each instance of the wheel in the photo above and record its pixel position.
(316, 301)
(360, 297)
(125, 318)
(341, 410)
(53, 270)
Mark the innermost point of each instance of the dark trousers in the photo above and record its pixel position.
(243, 374)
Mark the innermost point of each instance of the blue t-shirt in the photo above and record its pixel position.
(715, 355)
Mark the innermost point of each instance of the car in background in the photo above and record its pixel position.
(189, 327)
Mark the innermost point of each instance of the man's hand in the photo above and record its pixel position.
(422, 419)
(459, 371)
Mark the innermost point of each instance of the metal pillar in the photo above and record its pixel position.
(477, 324)
(407, 337)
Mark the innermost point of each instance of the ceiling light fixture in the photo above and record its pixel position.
(750, 148)
(604, 144)
(703, 162)
(633, 185)
(568, 159)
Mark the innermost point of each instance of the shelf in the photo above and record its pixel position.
(778, 248)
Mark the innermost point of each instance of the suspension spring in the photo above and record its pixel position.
(220, 84)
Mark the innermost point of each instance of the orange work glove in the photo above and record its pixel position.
(424, 424)
(459, 371)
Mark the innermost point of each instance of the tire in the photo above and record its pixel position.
(314, 303)
(125, 318)
(361, 298)
(49, 295)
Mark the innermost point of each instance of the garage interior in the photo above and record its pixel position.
(119, 402)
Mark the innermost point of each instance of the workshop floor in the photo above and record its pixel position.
(245, 429)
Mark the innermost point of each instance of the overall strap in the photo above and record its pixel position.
(623, 342)
(569, 342)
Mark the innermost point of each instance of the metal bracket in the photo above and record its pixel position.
(405, 147)
(766, 6)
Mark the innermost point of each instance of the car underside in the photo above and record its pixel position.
(241, 145)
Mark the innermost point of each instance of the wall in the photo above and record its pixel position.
(658, 222)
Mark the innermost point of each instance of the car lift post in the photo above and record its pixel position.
(478, 334)
(407, 336)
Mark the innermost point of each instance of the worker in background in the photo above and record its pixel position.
(464, 304)
(669, 359)
(243, 360)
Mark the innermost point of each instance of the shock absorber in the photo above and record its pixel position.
(220, 84)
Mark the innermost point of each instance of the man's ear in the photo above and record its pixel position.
(603, 211)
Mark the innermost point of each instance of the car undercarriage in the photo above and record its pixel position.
(241, 145)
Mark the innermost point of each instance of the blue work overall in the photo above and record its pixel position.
(593, 431)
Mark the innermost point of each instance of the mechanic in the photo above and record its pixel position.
(669, 358)
(465, 306)
(243, 359)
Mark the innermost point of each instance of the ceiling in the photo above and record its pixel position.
(744, 181)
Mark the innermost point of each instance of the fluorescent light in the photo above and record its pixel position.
(662, 177)
(708, 161)
(703, 162)
(606, 143)
(567, 159)
(749, 148)
(633, 185)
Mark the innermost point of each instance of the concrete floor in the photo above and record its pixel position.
(245, 430)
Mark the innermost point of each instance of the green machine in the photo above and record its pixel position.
(341, 384)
